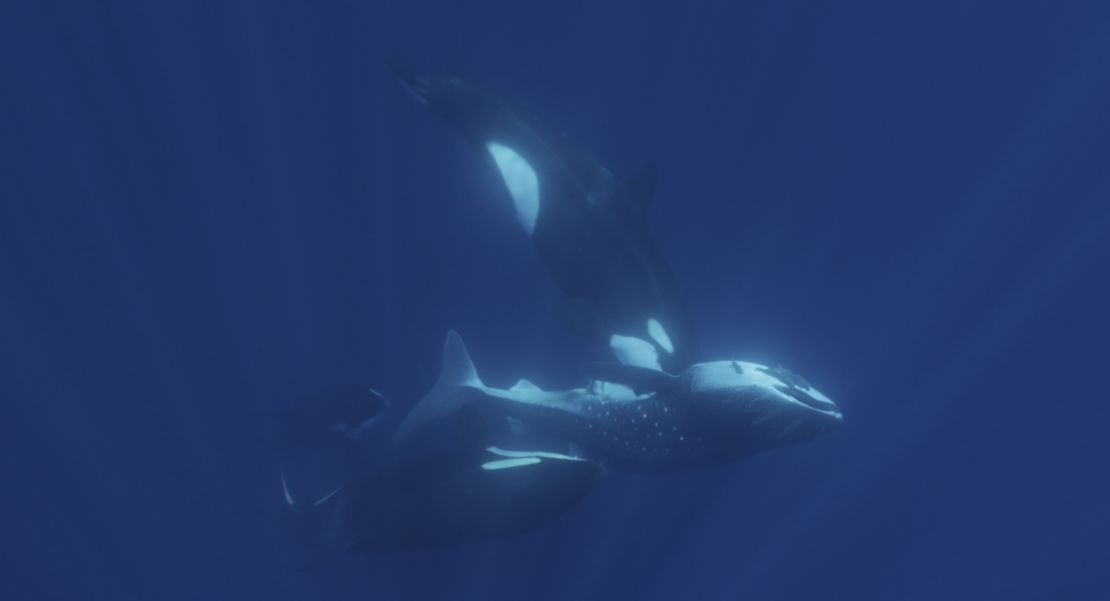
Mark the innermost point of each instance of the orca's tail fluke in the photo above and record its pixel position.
(329, 443)
(457, 380)
(340, 521)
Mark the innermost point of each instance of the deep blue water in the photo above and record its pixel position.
(208, 209)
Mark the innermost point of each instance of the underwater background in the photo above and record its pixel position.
(209, 209)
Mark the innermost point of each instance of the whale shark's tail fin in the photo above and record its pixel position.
(458, 380)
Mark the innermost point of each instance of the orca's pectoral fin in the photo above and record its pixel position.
(640, 379)
(336, 523)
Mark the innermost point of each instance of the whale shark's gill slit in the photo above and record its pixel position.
(521, 181)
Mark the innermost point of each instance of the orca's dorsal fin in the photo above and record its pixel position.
(640, 379)
(641, 185)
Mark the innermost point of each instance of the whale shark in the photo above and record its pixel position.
(588, 226)
(641, 419)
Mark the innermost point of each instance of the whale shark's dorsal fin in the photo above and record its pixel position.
(640, 379)
(447, 395)
(457, 368)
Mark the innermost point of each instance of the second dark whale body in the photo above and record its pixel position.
(587, 225)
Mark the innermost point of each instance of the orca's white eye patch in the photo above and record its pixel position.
(520, 178)
(630, 350)
(659, 334)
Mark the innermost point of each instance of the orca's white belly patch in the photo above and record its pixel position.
(520, 178)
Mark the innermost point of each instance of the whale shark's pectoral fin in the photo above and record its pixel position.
(640, 379)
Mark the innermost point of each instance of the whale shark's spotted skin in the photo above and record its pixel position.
(606, 420)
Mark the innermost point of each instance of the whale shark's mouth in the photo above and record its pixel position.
(809, 400)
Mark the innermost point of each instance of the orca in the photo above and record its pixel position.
(494, 494)
(453, 485)
(588, 226)
(642, 419)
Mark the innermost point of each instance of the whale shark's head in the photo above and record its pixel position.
(764, 405)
